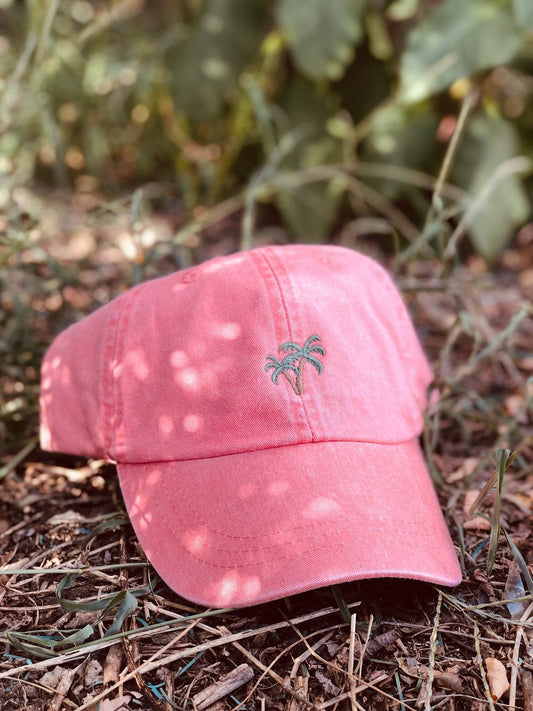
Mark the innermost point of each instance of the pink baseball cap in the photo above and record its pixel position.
(263, 410)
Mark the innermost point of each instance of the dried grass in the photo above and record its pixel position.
(370, 645)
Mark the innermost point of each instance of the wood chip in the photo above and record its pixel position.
(62, 688)
(224, 686)
(113, 662)
(300, 685)
(527, 688)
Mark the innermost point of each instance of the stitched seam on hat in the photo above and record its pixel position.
(338, 540)
(116, 330)
(410, 526)
(263, 449)
(266, 274)
(407, 526)
(109, 353)
(265, 256)
(118, 399)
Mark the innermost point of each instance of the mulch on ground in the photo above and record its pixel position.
(66, 543)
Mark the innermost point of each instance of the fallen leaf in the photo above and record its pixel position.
(51, 678)
(328, 686)
(113, 662)
(467, 468)
(5, 524)
(514, 588)
(485, 585)
(449, 679)
(114, 704)
(412, 667)
(94, 673)
(473, 523)
(497, 677)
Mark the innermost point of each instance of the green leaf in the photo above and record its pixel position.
(322, 35)
(310, 208)
(45, 646)
(487, 144)
(18, 458)
(126, 602)
(401, 136)
(207, 67)
(455, 40)
(523, 13)
(502, 462)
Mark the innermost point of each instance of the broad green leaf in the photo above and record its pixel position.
(457, 39)
(486, 145)
(523, 12)
(310, 208)
(207, 67)
(401, 10)
(401, 136)
(322, 35)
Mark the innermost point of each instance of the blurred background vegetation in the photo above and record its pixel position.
(410, 120)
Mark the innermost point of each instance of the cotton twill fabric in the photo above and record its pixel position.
(243, 488)
(248, 528)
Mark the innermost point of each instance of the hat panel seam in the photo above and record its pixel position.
(259, 256)
(108, 385)
(118, 360)
(266, 254)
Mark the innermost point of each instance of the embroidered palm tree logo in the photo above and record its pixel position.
(292, 365)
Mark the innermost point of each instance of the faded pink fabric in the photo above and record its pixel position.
(242, 486)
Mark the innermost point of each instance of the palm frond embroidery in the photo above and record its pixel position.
(292, 365)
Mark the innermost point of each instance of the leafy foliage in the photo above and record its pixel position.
(216, 96)
(505, 203)
(322, 36)
(457, 40)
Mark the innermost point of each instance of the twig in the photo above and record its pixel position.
(482, 668)
(152, 663)
(163, 627)
(467, 105)
(353, 629)
(516, 655)
(224, 686)
(285, 685)
(527, 688)
(432, 651)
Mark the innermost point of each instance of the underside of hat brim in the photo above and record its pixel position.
(246, 528)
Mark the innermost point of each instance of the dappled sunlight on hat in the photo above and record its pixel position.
(263, 411)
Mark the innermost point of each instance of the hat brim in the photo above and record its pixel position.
(247, 528)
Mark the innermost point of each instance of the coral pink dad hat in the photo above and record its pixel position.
(263, 411)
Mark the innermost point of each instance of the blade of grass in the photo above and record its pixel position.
(432, 653)
(45, 646)
(482, 668)
(503, 459)
(520, 560)
(18, 458)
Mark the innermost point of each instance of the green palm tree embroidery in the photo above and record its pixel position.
(292, 365)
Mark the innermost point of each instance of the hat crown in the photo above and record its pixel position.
(275, 346)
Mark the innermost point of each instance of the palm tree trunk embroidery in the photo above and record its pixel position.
(292, 365)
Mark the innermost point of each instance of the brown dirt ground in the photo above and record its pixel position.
(413, 646)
